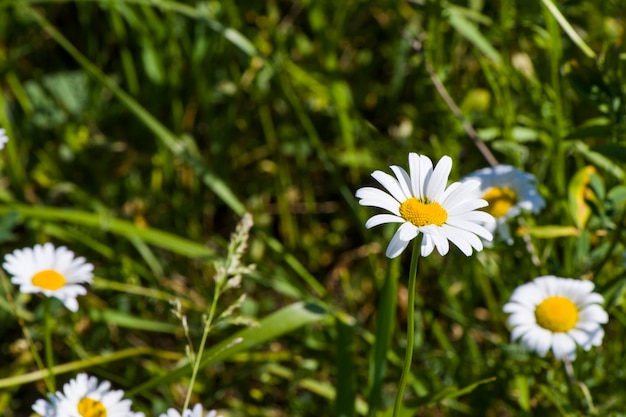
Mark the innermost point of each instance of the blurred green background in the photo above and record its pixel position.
(142, 130)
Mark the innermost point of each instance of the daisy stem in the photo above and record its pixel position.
(48, 345)
(410, 328)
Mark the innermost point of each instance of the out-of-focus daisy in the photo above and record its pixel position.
(508, 191)
(3, 138)
(195, 412)
(54, 272)
(556, 313)
(422, 203)
(84, 397)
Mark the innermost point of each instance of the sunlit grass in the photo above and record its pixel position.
(141, 131)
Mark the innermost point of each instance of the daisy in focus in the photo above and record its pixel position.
(552, 313)
(84, 397)
(420, 201)
(3, 138)
(195, 412)
(509, 192)
(54, 272)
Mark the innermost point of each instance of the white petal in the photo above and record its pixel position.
(439, 179)
(396, 246)
(381, 219)
(391, 184)
(461, 223)
(563, 345)
(403, 179)
(374, 197)
(420, 167)
(408, 231)
(427, 246)
(458, 240)
(466, 206)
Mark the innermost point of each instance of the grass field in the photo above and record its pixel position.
(142, 131)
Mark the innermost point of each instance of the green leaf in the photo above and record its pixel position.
(600, 161)
(277, 324)
(549, 232)
(154, 237)
(578, 193)
(471, 32)
(444, 394)
(346, 375)
(7, 224)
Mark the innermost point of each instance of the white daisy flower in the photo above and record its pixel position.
(422, 203)
(556, 313)
(84, 397)
(3, 138)
(509, 192)
(195, 412)
(54, 272)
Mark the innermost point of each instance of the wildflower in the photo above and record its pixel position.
(84, 397)
(3, 138)
(422, 203)
(509, 192)
(556, 313)
(54, 272)
(195, 412)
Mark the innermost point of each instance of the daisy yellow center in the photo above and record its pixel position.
(557, 314)
(500, 200)
(88, 407)
(48, 279)
(423, 214)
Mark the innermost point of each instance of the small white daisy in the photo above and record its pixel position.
(3, 138)
(422, 203)
(195, 412)
(84, 397)
(54, 272)
(556, 313)
(508, 191)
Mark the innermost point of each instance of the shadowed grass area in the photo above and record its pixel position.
(141, 132)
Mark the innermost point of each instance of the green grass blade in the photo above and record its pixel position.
(85, 364)
(346, 378)
(282, 322)
(471, 32)
(384, 330)
(569, 30)
(154, 237)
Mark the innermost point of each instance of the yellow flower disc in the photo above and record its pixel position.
(557, 314)
(48, 279)
(88, 407)
(423, 214)
(500, 200)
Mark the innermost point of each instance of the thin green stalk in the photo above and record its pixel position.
(410, 329)
(22, 323)
(48, 345)
(205, 334)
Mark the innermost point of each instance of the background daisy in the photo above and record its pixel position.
(195, 412)
(509, 192)
(556, 313)
(54, 272)
(3, 138)
(421, 202)
(85, 397)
